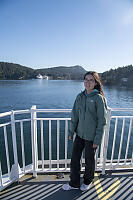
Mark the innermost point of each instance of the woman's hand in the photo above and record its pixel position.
(95, 146)
(70, 137)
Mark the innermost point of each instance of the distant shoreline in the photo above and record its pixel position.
(121, 76)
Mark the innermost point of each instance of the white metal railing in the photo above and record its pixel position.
(33, 150)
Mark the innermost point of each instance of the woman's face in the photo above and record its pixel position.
(89, 83)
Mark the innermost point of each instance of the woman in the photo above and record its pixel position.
(88, 120)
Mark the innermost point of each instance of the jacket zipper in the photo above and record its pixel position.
(85, 109)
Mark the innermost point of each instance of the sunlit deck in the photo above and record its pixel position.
(110, 186)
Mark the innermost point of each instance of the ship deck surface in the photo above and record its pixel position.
(118, 185)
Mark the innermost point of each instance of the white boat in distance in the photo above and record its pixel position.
(39, 76)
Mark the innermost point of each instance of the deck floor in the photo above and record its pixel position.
(115, 186)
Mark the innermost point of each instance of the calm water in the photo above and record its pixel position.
(22, 94)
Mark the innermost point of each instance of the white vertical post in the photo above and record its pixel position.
(113, 148)
(104, 145)
(96, 157)
(122, 133)
(16, 171)
(132, 159)
(22, 143)
(50, 146)
(7, 152)
(128, 140)
(1, 184)
(66, 142)
(42, 144)
(58, 144)
(34, 140)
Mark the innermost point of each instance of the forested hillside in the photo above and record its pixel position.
(11, 71)
(68, 73)
(119, 76)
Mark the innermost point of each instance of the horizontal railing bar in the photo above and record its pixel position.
(21, 111)
(113, 165)
(6, 124)
(53, 110)
(62, 161)
(5, 114)
(69, 110)
(121, 160)
(121, 109)
(22, 120)
(63, 119)
(121, 117)
(17, 121)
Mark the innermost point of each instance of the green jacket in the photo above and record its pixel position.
(88, 117)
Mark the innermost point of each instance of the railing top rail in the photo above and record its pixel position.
(15, 112)
(5, 114)
(53, 118)
(121, 109)
(121, 116)
(21, 111)
(53, 110)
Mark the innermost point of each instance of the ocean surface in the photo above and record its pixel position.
(22, 94)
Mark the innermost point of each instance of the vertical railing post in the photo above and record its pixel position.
(104, 144)
(34, 140)
(1, 184)
(66, 142)
(15, 167)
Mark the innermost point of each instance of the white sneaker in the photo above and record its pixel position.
(68, 187)
(84, 187)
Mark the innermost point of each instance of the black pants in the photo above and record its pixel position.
(78, 146)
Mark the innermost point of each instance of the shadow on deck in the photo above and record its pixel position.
(111, 186)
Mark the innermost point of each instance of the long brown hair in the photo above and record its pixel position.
(98, 86)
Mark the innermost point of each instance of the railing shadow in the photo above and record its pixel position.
(116, 186)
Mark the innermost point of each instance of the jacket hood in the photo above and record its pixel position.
(92, 93)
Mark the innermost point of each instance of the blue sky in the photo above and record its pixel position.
(96, 34)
